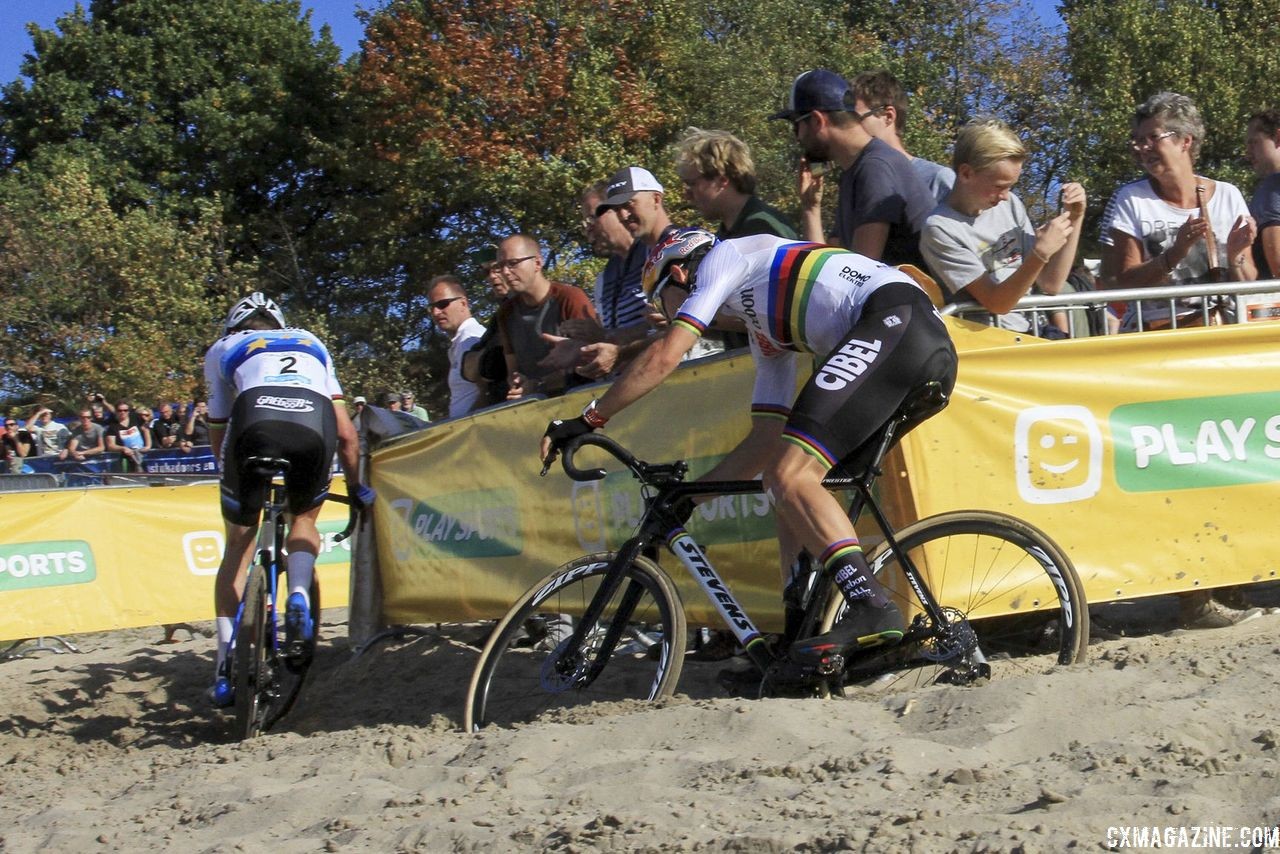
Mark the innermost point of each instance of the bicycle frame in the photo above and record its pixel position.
(267, 551)
(661, 521)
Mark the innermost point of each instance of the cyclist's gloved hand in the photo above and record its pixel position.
(558, 434)
(363, 495)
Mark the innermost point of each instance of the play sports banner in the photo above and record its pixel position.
(1152, 459)
(83, 560)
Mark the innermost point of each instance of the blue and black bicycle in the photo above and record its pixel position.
(265, 666)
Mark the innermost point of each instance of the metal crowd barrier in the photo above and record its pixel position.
(1095, 303)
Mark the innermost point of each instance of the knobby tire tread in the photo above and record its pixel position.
(657, 583)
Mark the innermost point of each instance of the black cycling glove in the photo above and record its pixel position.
(560, 432)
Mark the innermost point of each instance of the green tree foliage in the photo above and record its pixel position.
(1123, 51)
(179, 103)
(101, 300)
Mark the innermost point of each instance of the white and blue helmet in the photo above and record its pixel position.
(255, 304)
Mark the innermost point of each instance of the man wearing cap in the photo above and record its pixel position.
(391, 400)
(883, 203)
(407, 404)
(537, 306)
(637, 196)
(596, 349)
(451, 313)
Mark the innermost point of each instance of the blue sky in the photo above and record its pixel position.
(338, 14)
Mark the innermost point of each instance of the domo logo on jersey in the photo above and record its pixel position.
(284, 404)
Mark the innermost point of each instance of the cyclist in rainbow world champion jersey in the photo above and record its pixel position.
(875, 337)
(273, 393)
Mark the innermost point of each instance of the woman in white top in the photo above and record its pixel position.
(1153, 229)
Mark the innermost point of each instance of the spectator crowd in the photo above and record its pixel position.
(961, 226)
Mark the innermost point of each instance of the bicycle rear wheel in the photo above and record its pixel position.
(1010, 583)
(251, 675)
(527, 668)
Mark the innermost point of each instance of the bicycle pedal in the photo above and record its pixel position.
(832, 665)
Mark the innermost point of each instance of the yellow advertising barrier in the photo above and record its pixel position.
(1152, 459)
(95, 559)
(465, 524)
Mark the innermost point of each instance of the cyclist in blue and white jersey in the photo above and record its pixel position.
(273, 393)
(875, 337)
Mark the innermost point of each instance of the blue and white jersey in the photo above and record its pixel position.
(275, 358)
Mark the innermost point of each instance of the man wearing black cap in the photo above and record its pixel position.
(883, 203)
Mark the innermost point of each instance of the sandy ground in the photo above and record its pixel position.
(114, 750)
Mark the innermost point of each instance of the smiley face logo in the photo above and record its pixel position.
(203, 551)
(1057, 454)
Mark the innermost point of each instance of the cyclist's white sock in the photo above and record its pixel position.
(301, 568)
(225, 627)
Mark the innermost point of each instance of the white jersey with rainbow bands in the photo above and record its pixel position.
(277, 357)
(795, 297)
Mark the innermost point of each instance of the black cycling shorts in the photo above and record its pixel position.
(899, 344)
(289, 423)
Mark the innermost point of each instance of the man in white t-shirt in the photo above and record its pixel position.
(451, 313)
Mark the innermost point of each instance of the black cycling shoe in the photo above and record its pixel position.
(861, 627)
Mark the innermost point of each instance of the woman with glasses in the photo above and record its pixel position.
(1174, 227)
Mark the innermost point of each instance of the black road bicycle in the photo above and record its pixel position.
(266, 671)
(611, 626)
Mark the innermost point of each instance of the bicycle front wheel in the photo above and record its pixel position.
(1008, 581)
(634, 651)
(251, 678)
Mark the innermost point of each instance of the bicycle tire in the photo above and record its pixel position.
(1010, 567)
(250, 658)
(516, 678)
(293, 670)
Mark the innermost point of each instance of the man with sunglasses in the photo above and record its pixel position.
(883, 203)
(129, 436)
(875, 337)
(451, 313)
(13, 448)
